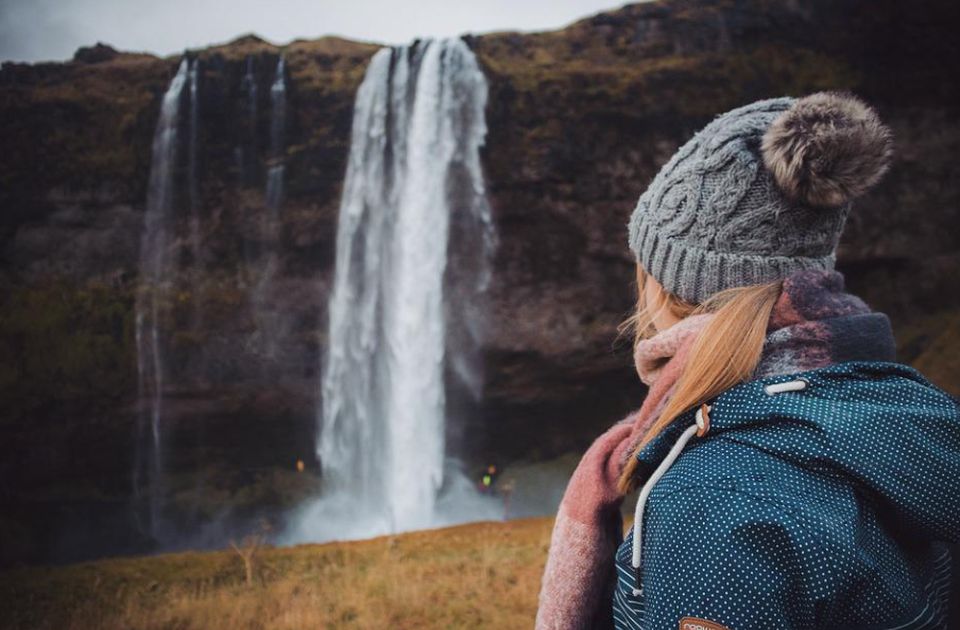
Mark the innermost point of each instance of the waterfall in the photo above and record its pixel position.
(194, 128)
(193, 192)
(278, 121)
(247, 150)
(156, 267)
(272, 325)
(414, 166)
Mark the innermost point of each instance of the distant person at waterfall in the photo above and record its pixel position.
(488, 479)
(790, 473)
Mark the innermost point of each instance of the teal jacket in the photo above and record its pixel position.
(821, 502)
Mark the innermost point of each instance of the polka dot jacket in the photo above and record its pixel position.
(813, 500)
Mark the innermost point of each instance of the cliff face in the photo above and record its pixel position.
(579, 121)
(240, 412)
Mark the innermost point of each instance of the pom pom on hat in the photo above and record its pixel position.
(827, 149)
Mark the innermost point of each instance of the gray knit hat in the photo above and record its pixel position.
(762, 191)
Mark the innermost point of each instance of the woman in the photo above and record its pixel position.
(791, 475)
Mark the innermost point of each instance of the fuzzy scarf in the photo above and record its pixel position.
(814, 324)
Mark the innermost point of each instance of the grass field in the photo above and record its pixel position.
(482, 575)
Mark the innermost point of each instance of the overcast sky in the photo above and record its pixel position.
(35, 30)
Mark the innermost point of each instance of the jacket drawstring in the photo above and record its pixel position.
(700, 428)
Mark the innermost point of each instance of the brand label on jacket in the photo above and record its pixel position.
(695, 623)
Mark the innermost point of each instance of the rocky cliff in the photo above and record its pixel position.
(579, 121)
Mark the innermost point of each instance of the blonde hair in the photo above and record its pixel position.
(726, 351)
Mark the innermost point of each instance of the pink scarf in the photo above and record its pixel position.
(587, 528)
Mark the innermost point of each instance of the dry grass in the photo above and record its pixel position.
(483, 575)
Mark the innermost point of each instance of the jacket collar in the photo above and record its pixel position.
(726, 414)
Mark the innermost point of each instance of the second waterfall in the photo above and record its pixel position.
(413, 182)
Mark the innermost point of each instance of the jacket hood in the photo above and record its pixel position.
(882, 426)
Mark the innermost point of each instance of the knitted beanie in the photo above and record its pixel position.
(762, 191)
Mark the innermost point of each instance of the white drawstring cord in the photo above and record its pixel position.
(789, 386)
(701, 427)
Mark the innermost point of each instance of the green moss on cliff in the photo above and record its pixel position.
(96, 123)
(67, 349)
